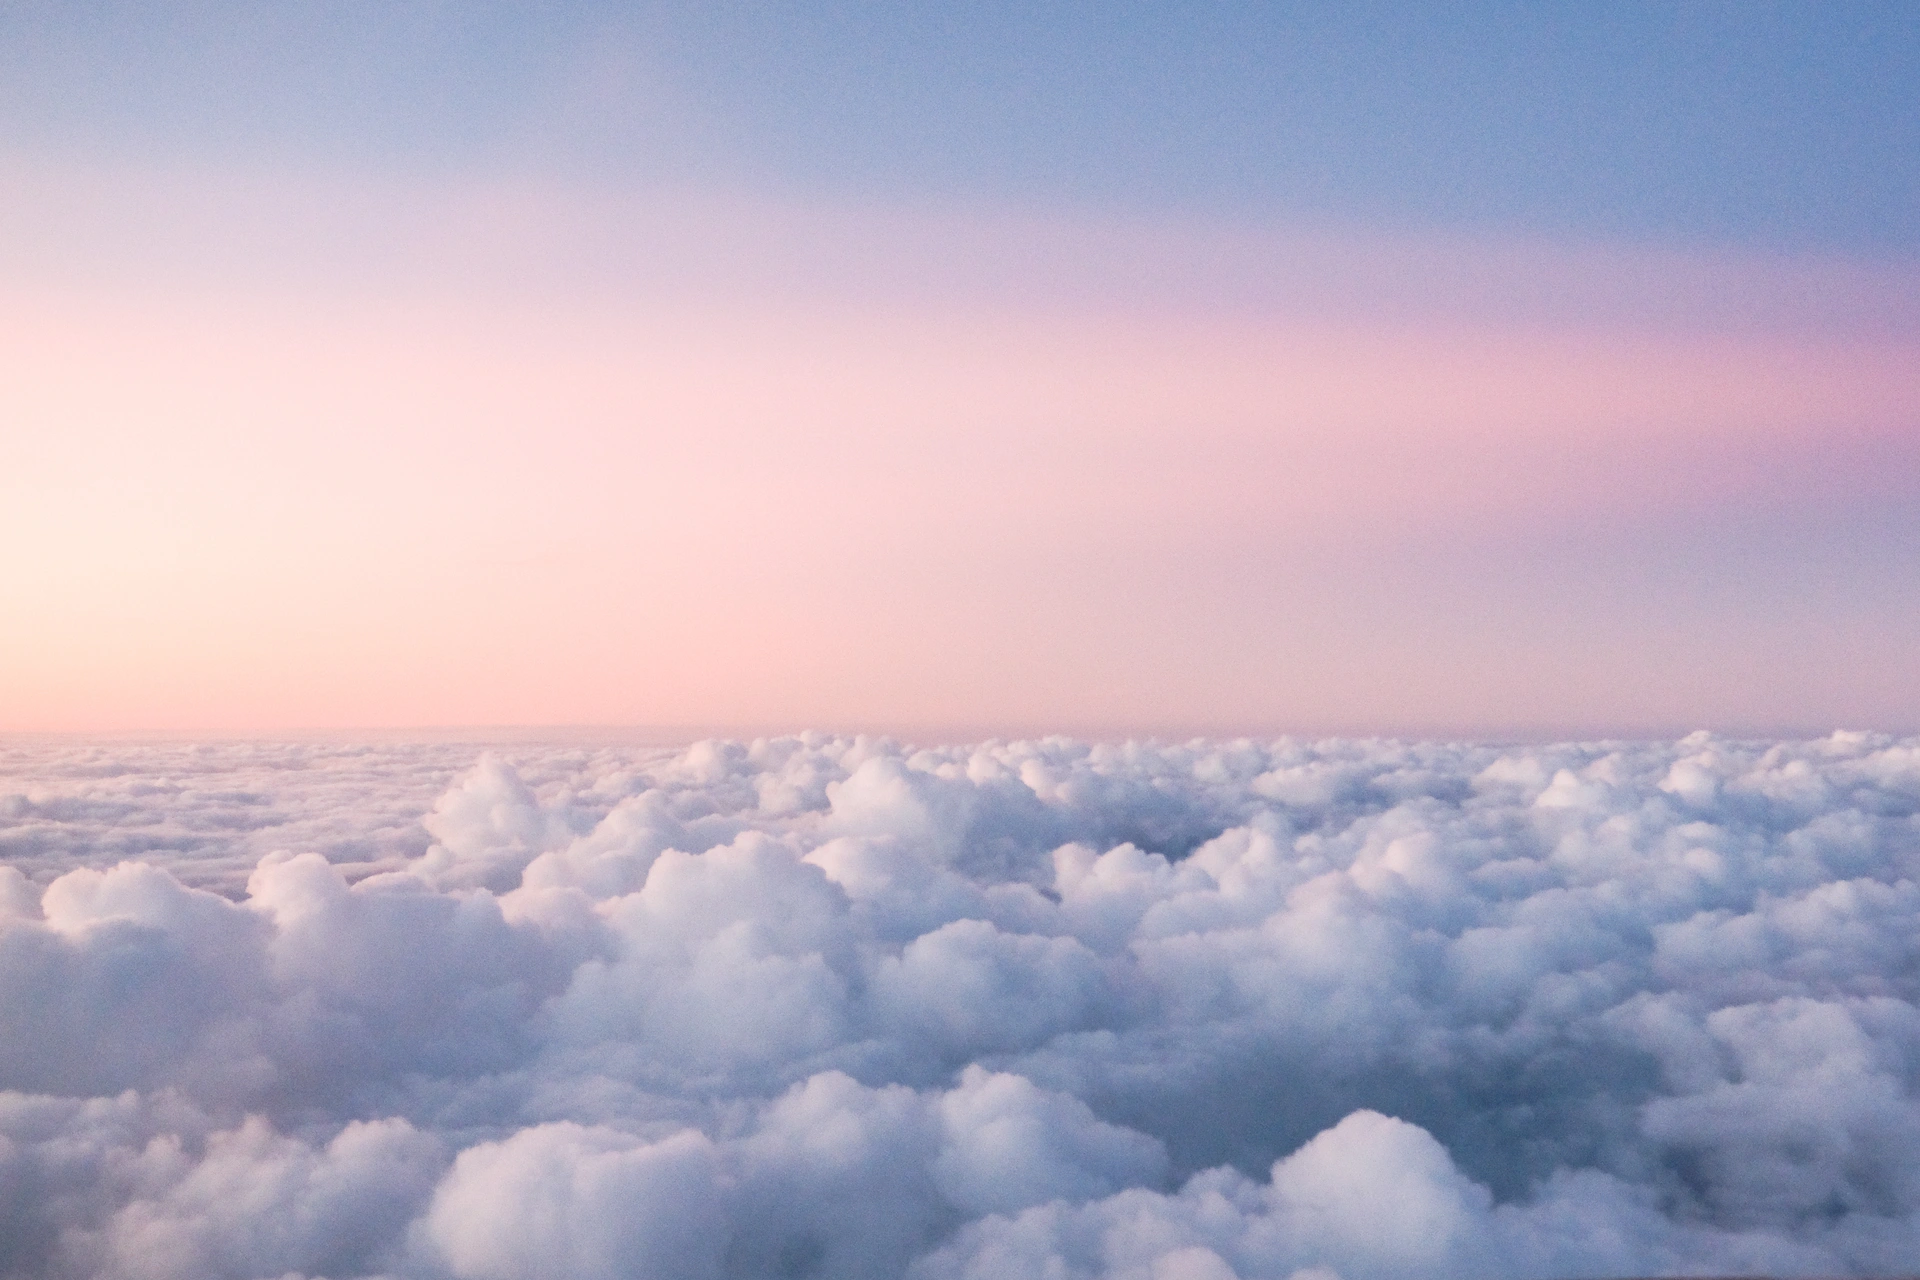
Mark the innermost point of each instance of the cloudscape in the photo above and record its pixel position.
(836, 1007)
(851, 641)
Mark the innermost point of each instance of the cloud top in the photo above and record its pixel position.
(838, 1007)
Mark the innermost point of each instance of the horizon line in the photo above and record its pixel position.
(925, 734)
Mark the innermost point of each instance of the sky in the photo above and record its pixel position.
(1509, 370)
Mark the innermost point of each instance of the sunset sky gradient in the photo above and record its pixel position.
(1552, 371)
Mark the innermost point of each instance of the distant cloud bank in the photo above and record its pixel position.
(836, 1007)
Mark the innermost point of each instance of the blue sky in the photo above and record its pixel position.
(1782, 126)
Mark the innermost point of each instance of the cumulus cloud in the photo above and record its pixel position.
(837, 1007)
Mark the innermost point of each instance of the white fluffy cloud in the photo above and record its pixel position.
(831, 1007)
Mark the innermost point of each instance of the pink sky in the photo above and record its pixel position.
(525, 458)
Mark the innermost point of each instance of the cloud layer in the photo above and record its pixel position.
(835, 1007)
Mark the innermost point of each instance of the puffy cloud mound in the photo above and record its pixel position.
(836, 1007)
